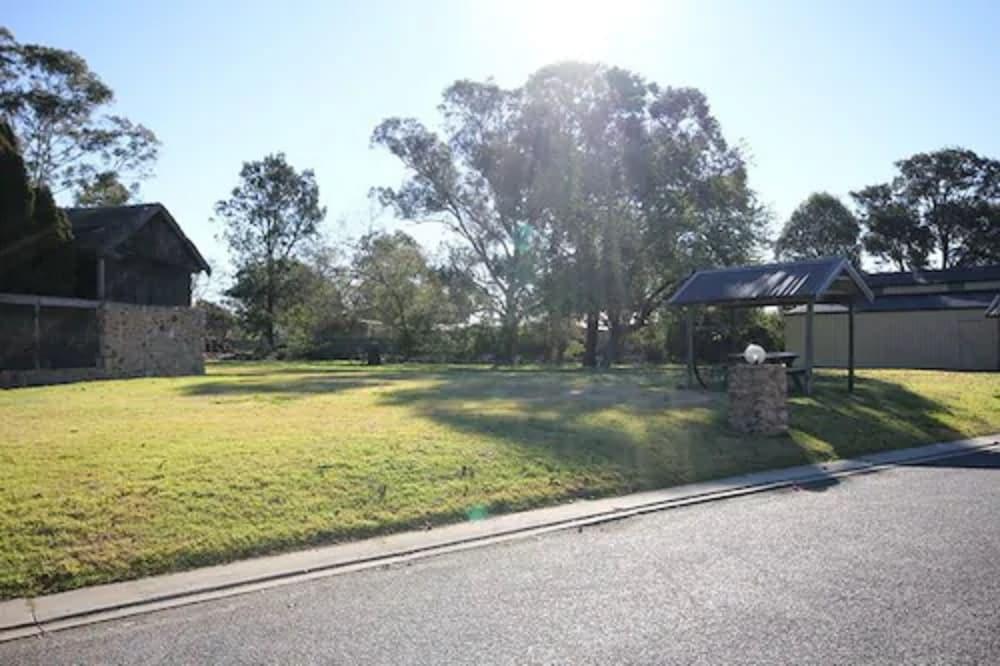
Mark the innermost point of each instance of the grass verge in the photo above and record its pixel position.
(113, 480)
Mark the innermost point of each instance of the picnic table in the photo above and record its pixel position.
(788, 358)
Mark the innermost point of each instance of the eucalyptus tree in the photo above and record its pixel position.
(641, 186)
(270, 217)
(943, 204)
(476, 178)
(58, 107)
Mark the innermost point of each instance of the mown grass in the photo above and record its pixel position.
(112, 480)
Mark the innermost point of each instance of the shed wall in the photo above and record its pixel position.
(122, 340)
(930, 339)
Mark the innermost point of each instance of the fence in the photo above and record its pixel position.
(42, 333)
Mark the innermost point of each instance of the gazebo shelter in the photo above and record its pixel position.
(831, 280)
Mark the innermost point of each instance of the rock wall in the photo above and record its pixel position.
(758, 399)
(150, 340)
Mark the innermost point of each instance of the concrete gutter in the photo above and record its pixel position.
(21, 618)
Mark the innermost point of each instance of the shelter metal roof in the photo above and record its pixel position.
(831, 279)
(103, 228)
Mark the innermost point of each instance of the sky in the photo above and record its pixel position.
(823, 96)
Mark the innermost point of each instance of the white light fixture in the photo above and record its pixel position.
(754, 354)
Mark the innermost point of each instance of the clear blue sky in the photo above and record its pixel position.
(823, 97)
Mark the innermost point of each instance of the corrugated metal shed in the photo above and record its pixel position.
(922, 277)
(994, 308)
(967, 300)
(830, 279)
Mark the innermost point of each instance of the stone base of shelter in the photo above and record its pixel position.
(758, 399)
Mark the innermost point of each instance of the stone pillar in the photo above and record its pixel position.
(758, 399)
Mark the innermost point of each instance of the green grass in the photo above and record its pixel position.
(112, 480)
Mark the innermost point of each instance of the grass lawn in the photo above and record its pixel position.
(111, 480)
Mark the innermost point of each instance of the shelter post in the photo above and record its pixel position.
(100, 278)
(689, 334)
(37, 333)
(850, 346)
(810, 344)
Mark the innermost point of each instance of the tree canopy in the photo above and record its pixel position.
(587, 192)
(35, 251)
(269, 217)
(822, 226)
(944, 205)
(397, 287)
(57, 106)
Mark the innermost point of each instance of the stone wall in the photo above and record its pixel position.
(134, 341)
(150, 340)
(758, 399)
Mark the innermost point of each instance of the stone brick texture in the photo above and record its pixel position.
(758, 399)
(151, 340)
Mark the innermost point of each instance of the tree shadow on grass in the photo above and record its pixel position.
(622, 432)
(878, 416)
(627, 429)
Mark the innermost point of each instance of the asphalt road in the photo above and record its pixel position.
(897, 567)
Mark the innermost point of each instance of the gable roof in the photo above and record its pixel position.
(921, 277)
(993, 310)
(104, 228)
(829, 278)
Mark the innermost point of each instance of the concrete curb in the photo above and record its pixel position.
(20, 618)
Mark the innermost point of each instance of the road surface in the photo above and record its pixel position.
(899, 566)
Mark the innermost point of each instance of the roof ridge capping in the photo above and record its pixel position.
(773, 264)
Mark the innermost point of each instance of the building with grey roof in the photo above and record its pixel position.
(921, 319)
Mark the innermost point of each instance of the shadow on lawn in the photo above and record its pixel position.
(624, 428)
(880, 415)
(619, 427)
(300, 387)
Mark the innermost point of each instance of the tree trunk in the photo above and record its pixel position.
(269, 331)
(616, 337)
(590, 342)
(509, 343)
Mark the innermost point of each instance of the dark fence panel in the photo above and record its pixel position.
(17, 337)
(68, 337)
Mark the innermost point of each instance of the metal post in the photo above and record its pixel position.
(100, 278)
(100, 313)
(689, 312)
(38, 335)
(850, 346)
(810, 313)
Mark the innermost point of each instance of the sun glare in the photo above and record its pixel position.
(579, 29)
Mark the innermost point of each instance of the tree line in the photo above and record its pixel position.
(571, 205)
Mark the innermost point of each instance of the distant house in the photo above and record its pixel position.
(921, 319)
(130, 314)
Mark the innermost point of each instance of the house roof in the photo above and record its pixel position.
(922, 277)
(994, 307)
(961, 300)
(829, 279)
(104, 228)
